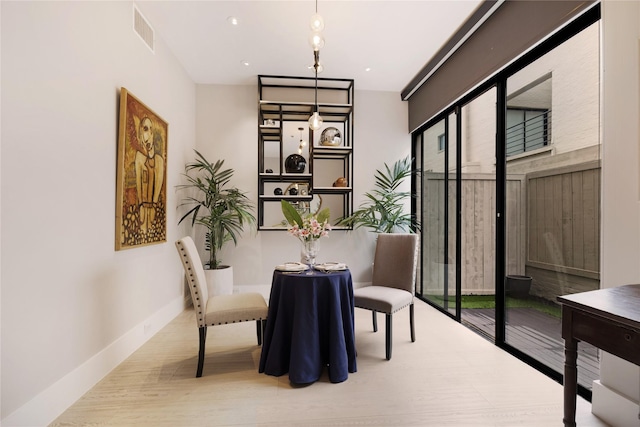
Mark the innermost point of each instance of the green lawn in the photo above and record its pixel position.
(488, 301)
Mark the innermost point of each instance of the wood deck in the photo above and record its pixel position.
(538, 335)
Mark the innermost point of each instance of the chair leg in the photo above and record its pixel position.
(375, 320)
(389, 335)
(203, 339)
(259, 331)
(412, 324)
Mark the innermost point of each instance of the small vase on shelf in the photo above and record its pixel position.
(309, 252)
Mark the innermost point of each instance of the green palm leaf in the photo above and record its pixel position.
(223, 211)
(383, 211)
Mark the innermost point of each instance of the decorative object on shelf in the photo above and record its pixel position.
(298, 189)
(295, 163)
(331, 137)
(383, 212)
(277, 191)
(317, 42)
(308, 229)
(271, 123)
(141, 200)
(268, 171)
(340, 182)
(225, 211)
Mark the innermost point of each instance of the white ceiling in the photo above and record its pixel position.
(393, 38)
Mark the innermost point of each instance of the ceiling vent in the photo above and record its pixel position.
(142, 28)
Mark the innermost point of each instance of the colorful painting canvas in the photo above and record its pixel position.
(141, 175)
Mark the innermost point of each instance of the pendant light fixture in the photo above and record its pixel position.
(317, 42)
(302, 141)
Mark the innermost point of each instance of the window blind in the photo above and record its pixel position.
(500, 33)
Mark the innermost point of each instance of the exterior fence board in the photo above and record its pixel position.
(552, 222)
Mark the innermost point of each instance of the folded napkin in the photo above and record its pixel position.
(331, 266)
(292, 266)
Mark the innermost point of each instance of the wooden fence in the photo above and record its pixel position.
(564, 229)
(553, 232)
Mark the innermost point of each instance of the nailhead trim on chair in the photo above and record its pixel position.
(238, 321)
(400, 308)
(195, 288)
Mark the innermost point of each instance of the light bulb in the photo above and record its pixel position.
(316, 41)
(317, 23)
(315, 121)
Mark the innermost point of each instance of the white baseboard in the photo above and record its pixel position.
(50, 403)
(612, 407)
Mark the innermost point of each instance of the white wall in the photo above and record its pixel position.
(615, 397)
(72, 307)
(227, 129)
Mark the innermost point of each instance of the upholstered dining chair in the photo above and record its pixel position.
(393, 282)
(218, 309)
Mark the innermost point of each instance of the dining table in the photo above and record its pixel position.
(310, 326)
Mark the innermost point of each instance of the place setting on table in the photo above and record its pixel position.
(293, 267)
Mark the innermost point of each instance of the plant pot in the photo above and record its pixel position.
(219, 281)
(518, 286)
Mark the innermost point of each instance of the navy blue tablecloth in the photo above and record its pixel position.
(310, 326)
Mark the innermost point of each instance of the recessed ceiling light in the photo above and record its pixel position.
(368, 69)
(245, 63)
(232, 20)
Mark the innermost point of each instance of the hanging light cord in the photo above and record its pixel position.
(316, 58)
(317, 42)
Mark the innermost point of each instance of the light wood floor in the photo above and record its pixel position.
(449, 377)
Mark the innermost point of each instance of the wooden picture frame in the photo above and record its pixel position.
(141, 177)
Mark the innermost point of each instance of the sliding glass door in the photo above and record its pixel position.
(478, 213)
(553, 197)
(437, 185)
(509, 202)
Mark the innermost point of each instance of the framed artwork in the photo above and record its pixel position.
(141, 177)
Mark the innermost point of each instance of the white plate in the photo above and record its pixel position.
(331, 266)
(292, 266)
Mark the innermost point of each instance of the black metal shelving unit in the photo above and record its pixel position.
(289, 101)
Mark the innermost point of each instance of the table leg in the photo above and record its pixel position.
(570, 381)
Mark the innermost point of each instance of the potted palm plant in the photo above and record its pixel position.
(224, 211)
(383, 211)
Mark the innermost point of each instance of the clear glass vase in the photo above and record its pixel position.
(309, 251)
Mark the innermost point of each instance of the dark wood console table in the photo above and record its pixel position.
(606, 318)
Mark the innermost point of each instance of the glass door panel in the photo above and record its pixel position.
(478, 213)
(437, 216)
(553, 197)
